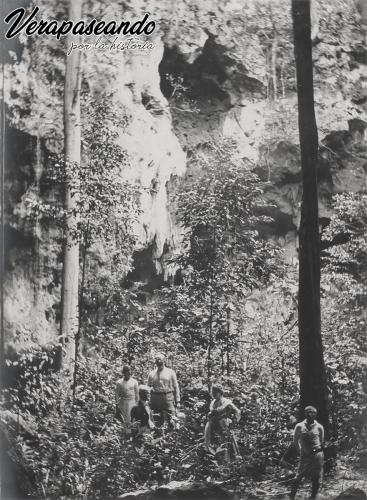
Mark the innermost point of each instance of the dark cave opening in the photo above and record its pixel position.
(203, 78)
(144, 271)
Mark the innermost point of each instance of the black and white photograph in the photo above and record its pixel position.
(183, 249)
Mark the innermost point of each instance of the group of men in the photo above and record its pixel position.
(142, 407)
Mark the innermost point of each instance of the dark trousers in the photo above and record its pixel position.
(312, 467)
(163, 404)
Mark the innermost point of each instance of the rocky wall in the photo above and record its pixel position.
(209, 75)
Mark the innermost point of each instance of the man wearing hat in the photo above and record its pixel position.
(309, 440)
(165, 395)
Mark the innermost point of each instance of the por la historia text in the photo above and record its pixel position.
(129, 44)
(31, 26)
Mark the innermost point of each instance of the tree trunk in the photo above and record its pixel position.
(80, 311)
(313, 390)
(228, 340)
(69, 295)
(209, 361)
(2, 239)
(211, 298)
(274, 50)
(362, 9)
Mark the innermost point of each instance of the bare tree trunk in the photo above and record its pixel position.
(69, 295)
(314, 19)
(228, 340)
(282, 80)
(209, 362)
(80, 310)
(362, 9)
(2, 225)
(313, 388)
(274, 50)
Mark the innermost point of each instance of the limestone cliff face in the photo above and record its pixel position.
(217, 69)
(32, 249)
(155, 154)
(239, 75)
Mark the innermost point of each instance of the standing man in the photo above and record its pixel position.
(127, 395)
(309, 441)
(165, 396)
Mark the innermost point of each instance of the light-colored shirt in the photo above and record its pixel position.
(127, 390)
(163, 381)
(308, 438)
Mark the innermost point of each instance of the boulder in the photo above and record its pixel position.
(352, 494)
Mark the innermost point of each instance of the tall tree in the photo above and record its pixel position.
(223, 256)
(69, 294)
(313, 388)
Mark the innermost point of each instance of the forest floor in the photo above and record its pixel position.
(341, 478)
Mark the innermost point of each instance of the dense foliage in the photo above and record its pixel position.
(228, 310)
(79, 447)
(220, 209)
(344, 301)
